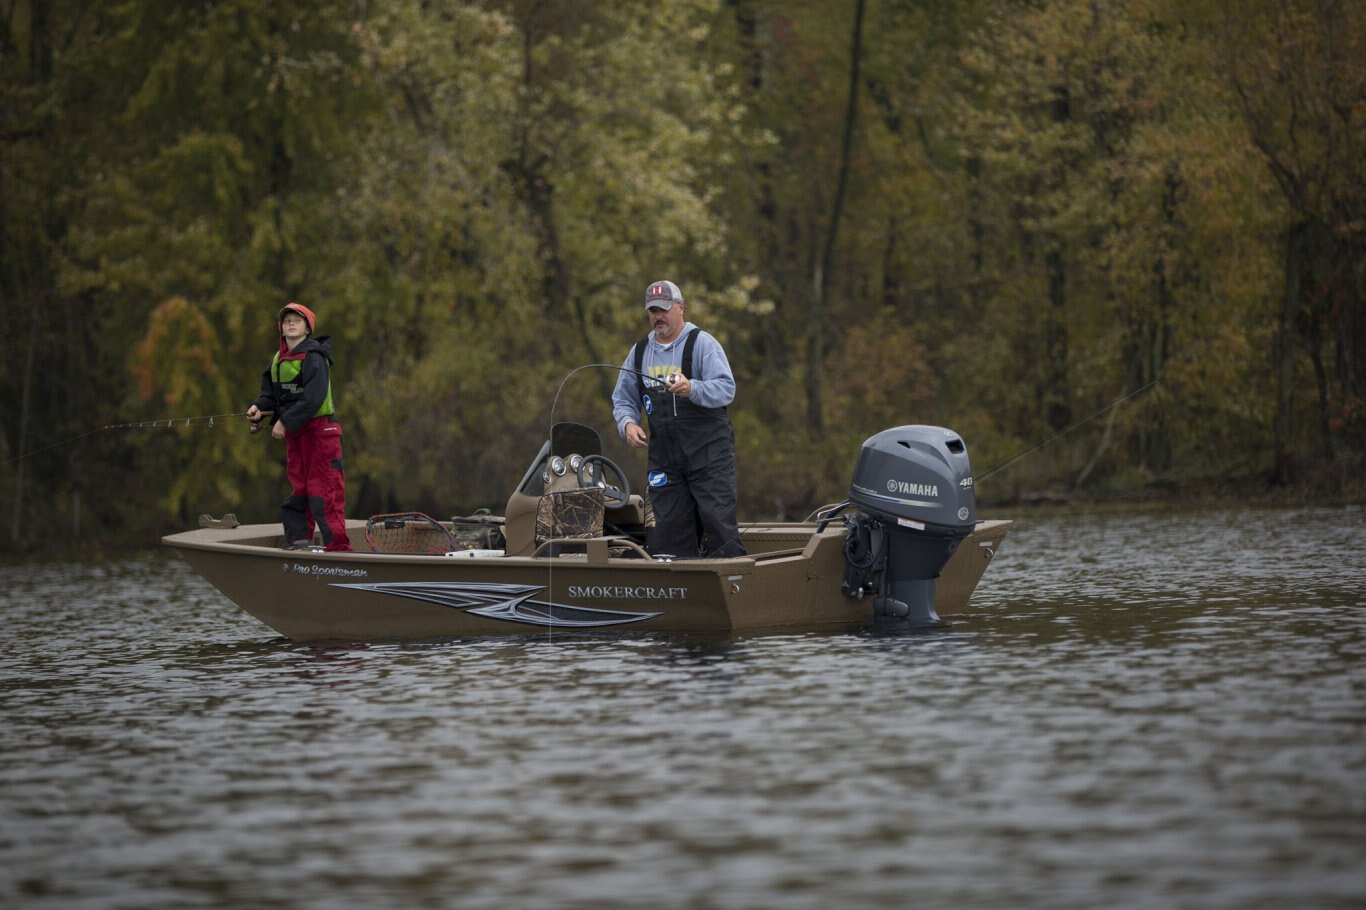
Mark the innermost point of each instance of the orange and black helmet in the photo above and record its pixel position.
(301, 310)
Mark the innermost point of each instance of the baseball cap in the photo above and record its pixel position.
(662, 295)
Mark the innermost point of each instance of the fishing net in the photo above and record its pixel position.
(409, 532)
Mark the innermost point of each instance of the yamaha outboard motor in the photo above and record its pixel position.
(913, 487)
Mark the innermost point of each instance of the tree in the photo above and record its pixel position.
(525, 179)
(1297, 73)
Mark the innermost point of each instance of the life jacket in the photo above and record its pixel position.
(284, 374)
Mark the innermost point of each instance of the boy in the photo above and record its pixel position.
(297, 388)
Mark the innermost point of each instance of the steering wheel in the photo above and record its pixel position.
(601, 472)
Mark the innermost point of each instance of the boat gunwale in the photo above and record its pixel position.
(248, 539)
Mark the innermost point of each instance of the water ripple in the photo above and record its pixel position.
(1153, 710)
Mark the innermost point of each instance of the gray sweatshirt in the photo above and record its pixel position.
(713, 385)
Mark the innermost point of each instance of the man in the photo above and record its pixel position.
(691, 456)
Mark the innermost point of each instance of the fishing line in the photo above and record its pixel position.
(648, 380)
(1067, 429)
(589, 366)
(834, 510)
(168, 422)
(550, 436)
(1009, 461)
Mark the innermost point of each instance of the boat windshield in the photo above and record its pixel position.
(565, 439)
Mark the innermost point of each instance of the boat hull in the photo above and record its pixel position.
(791, 577)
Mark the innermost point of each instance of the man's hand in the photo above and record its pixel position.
(679, 384)
(635, 436)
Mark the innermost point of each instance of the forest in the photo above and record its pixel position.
(1125, 241)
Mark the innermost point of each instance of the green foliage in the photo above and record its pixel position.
(1035, 209)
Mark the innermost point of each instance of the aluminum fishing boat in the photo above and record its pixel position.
(572, 552)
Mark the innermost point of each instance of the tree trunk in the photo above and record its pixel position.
(1057, 407)
(772, 342)
(31, 276)
(1348, 318)
(1286, 336)
(1057, 392)
(1150, 354)
(820, 278)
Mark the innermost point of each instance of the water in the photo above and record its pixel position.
(1139, 711)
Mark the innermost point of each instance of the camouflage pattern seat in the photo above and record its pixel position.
(570, 513)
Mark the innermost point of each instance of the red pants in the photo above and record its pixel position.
(313, 461)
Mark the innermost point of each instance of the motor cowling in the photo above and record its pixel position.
(913, 489)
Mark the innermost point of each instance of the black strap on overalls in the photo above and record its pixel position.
(686, 368)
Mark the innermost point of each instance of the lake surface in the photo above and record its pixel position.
(1151, 710)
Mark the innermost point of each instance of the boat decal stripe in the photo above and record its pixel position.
(505, 603)
(897, 500)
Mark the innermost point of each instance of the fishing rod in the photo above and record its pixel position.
(1067, 429)
(555, 402)
(649, 380)
(657, 383)
(834, 510)
(168, 422)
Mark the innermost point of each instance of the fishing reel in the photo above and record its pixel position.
(657, 390)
